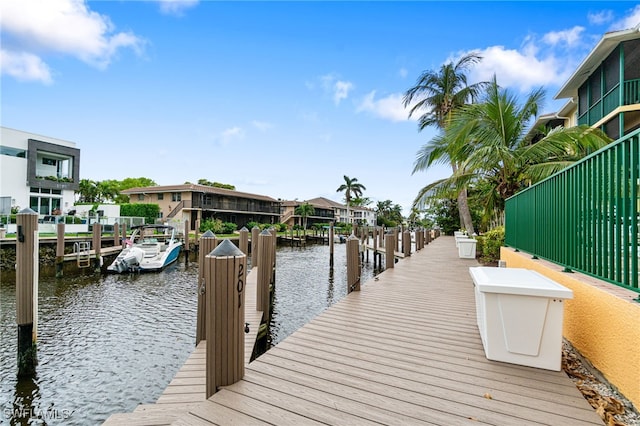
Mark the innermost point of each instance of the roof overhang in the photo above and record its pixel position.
(604, 47)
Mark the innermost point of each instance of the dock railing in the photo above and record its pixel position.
(585, 217)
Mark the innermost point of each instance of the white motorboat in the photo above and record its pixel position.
(149, 248)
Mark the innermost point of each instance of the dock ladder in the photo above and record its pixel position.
(82, 249)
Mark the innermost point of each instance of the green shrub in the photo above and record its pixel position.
(150, 212)
(229, 228)
(251, 225)
(491, 244)
(213, 225)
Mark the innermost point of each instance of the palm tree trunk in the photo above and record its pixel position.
(465, 213)
(466, 222)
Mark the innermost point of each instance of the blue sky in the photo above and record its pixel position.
(276, 98)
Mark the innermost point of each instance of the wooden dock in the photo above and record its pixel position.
(403, 350)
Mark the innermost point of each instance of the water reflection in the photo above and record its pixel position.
(109, 343)
(105, 345)
(306, 285)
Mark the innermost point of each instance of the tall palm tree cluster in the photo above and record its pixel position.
(486, 135)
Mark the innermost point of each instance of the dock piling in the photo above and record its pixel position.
(27, 265)
(97, 245)
(226, 275)
(186, 241)
(208, 242)
(59, 250)
(255, 231)
(265, 274)
(389, 246)
(353, 264)
(331, 245)
(243, 241)
(116, 234)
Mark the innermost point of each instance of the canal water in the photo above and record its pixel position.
(110, 342)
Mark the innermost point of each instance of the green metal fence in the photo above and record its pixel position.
(585, 217)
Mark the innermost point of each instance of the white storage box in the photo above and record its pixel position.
(520, 314)
(466, 248)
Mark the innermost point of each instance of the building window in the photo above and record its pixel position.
(176, 196)
(13, 152)
(49, 161)
(44, 205)
(140, 197)
(160, 197)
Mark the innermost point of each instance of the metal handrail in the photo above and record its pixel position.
(585, 217)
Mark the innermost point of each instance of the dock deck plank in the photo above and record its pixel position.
(403, 350)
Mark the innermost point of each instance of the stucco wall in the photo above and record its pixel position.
(601, 321)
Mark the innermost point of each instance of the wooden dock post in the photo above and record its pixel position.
(124, 235)
(97, 246)
(197, 230)
(274, 236)
(116, 234)
(255, 231)
(375, 246)
(225, 276)
(353, 264)
(265, 274)
(186, 241)
(27, 267)
(331, 248)
(396, 233)
(208, 242)
(59, 250)
(389, 246)
(243, 241)
(406, 243)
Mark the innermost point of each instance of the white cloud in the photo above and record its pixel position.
(33, 28)
(25, 67)
(403, 72)
(630, 21)
(338, 89)
(176, 7)
(570, 37)
(230, 135)
(263, 126)
(341, 91)
(520, 69)
(389, 108)
(599, 18)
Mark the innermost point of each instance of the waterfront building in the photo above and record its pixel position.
(327, 211)
(324, 212)
(604, 91)
(39, 172)
(200, 202)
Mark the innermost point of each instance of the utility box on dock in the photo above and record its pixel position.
(520, 314)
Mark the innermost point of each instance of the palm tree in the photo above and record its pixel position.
(305, 210)
(439, 93)
(350, 187)
(497, 151)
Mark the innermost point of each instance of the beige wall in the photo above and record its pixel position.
(601, 321)
(166, 204)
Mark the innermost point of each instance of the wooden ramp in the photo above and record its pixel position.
(403, 350)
